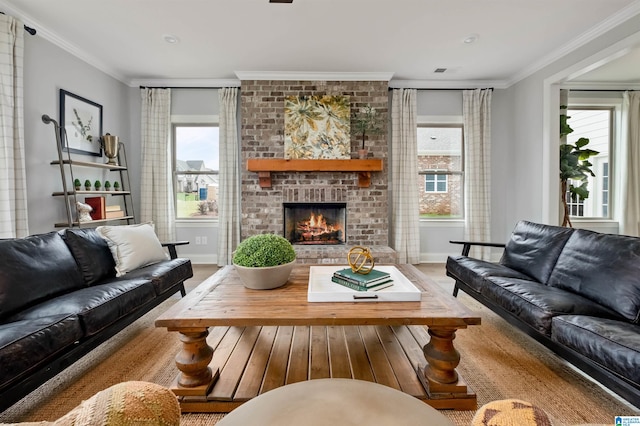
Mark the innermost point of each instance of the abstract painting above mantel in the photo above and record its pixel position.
(317, 127)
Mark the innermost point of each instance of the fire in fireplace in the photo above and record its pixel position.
(315, 223)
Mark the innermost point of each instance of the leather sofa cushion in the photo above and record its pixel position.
(25, 345)
(474, 271)
(610, 343)
(97, 306)
(35, 268)
(92, 254)
(536, 304)
(604, 268)
(533, 249)
(164, 275)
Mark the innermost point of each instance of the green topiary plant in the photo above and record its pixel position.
(116, 186)
(107, 185)
(264, 250)
(87, 185)
(77, 184)
(97, 185)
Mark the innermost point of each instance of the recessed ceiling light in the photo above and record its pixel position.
(470, 39)
(171, 39)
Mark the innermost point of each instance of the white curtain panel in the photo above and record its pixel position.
(229, 191)
(156, 188)
(628, 211)
(476, 111)
(405, 211)
(13, 182)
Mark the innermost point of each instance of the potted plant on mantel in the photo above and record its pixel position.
(367, 121)
(264, 261)
(574, 167)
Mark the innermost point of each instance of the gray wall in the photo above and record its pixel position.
(47, 69)
(519, 163)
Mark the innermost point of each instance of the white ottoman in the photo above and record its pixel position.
(335, 402)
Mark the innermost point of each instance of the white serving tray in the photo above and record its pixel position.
(322, 289)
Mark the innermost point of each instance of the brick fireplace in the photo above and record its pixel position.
(262, 136)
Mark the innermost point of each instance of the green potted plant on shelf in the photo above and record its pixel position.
(116, 186)
(264, 261)
(97, 185)
(77, 184)
(107, 185)
(87, 185)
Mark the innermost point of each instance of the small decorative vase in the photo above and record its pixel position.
(362, 153)
(110, 145)
(265, 278)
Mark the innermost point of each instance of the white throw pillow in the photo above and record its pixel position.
(132, 246)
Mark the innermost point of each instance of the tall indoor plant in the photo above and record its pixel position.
(574, 167)
(264, 261)
(366, 121)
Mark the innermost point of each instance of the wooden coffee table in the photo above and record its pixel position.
(238, 343)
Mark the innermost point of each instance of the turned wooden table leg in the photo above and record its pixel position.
(196, 377)
(439, 375)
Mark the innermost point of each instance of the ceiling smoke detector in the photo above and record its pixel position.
(170, 38)
(439, 70)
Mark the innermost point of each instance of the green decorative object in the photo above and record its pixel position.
(116, 186)
(264, 261)
(77, 184)
(87, 185)
(107, 185)
(97, 185)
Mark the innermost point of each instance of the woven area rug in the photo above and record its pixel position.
(498, 362)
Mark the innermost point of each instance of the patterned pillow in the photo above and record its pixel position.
(510, 412)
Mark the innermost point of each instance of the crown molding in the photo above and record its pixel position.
(185, 82)
(598, 85)
(314, 76)
(601, 28)
(55, 39)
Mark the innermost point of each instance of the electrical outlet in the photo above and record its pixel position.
(204, 240)
(198, 240)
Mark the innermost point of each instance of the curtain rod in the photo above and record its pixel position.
(601, 90)
(30, 30)
(184, 87)
(444, 88)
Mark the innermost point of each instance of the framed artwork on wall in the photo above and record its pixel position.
(81, 120)
(317, 127)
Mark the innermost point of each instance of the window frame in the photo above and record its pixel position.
(448, 122)
(596, 189)
(189, 121)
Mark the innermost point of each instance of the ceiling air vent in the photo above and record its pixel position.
(280, 1)
(439, 70)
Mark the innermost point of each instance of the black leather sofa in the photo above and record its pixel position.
(60, 298)
(575, 291)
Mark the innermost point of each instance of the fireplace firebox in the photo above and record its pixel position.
(315, 223)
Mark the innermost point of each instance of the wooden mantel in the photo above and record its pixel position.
(264, 167)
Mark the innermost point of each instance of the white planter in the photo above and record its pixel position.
(265, 278)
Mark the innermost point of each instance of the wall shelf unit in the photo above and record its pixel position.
(265, 166)
(67, 169)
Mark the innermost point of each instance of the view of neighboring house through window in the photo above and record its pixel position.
(440, 171)
(596, 124)
(196, 165)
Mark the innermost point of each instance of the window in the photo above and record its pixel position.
(196, 164)
(435, 183)
(596, 124)
(440, 169)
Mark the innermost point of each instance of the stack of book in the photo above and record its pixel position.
(112, 212)
(373, 281)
